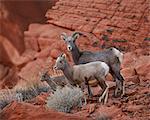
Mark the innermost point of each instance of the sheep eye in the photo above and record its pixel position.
(60, 61)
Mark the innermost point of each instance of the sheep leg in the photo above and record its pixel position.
(90, 94)
(113, 75)
(104, 96)
(120, 85)
(115, 69)
(105, 89)
(115, 80)
(89, 91)
(117, 88)
(117, 85)
(123, 90)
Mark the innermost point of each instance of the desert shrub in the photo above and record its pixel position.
(65, 99)
(32, 91)
(120, 40)
(105, 37)
(110, 31)
(8, 96)
(147, 39)
(22, 92)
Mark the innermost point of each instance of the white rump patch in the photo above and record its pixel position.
(118, 54)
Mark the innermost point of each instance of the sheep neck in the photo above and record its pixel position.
(76, 54)
(68, 71)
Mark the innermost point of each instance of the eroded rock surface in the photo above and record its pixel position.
(121, 23)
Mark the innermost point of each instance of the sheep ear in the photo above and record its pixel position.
(64, 55)
(63, 36)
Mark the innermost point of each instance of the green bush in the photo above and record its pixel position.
(105, 37)
(120, 40)
(147, 39)
(63, 100)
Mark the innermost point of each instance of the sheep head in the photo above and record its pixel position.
(60, 62)
(70, 40)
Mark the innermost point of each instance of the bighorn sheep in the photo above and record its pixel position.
(53, 82)
(79, 74)
(112, 57)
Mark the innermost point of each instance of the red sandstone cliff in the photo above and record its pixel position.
(121, 23)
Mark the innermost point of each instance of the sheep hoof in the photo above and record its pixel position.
(123, 90)
(100, 99)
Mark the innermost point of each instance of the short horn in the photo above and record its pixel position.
(63, 36)
(75, 33)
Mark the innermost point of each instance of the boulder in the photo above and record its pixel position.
(55, 53)
(28, 111)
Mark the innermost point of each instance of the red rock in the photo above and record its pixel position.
(3, 71)
(11, 54)
(44, 53)
(32, 43)
(134, 79)
(74, 16)
(131, 92)
(109, 77)
(144, 91)
(40, 99)
(128, 72)
(129, 59)
(134, 108)
(35, 67)
(90, 108)
(109, 111)
(111, 84)
(55, 53)
(10, 79)
(43, 40)
(27, 111)
(143, 65)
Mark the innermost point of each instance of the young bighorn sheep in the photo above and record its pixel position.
(112, 57)
(53, 82)
(79, 74)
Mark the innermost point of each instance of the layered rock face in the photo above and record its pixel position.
(24, 52)
(123, 21)
(15, 16)
(35, 113)
(114, 22)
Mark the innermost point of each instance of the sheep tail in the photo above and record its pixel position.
(118, 54)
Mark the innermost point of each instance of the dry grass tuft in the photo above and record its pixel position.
(65, 99)
(7, 96)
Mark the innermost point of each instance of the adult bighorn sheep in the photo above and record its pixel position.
(111, 56)
(82, 73)
(53, 82)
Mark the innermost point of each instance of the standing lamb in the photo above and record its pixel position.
(79, 74)
(112, 57)
(53, 82)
